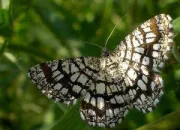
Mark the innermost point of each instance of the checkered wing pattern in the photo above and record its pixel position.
(105, 104)
(143, 54)
(65, 80)
(111, 85)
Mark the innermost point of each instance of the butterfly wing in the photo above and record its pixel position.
(144, 53)
(105, 104)
(65, 80)
(103, 100)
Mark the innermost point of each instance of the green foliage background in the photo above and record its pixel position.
(34, 31)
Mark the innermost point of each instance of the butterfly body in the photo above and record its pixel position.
(110, 85)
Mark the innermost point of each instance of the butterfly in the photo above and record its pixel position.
(111, 85)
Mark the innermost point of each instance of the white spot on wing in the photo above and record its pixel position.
(155, 54)
(55, 73)
(139, 50)
(119, 99)
(131, 95)
(126, 112)
(109, 112)
(65, 66)
(150, 109)
(87, 97)
(64, 91)
(145, 79)
(143, 97)
(113, 101)
(149, 40)
(43, 91)
(132, 74)
(100, 88)
(82, 79)
(145, 60)
(41, 74)
(136, 57)
(156, 101)
(161, 65)
(73, 68)
(59, 77)
(135, 42)
(116, 111)
(57, 86)
(150, 35)
(74, 77)
(170, 40)
(144, 70)
(156, 46)
(82, 115)
(100, 103)
(146, 29)
(93, 101)
(91, 112)
(113, 88)
(128, 55)
(170, 34)
(142, 85)
(112, 125)
(77, 88)
(120, 120)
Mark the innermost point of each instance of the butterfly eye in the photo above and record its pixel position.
(105, 53)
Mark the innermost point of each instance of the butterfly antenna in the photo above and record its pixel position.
(113, 30)
(95, 45)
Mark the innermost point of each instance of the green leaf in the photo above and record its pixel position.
(176, 53)
(4, 18)
(176, 25)
(5, 29)
(29, 50)
(168, 122)
(3, 47)
(70, 120)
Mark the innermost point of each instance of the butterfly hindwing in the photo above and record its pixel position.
(105, 108)
(148, 92)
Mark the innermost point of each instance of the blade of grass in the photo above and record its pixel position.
(70, 120)
(176, 25)
(13, 59)
(168, 122)
(3, 47)
(29, 50)
(175, 53)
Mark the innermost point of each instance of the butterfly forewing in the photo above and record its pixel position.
(111, 85)
(144, 53)
(65, 80)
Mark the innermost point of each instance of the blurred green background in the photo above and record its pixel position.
(35, 31)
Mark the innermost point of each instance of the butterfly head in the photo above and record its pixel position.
(105, 53)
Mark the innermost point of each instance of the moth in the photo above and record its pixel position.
(111, 85)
